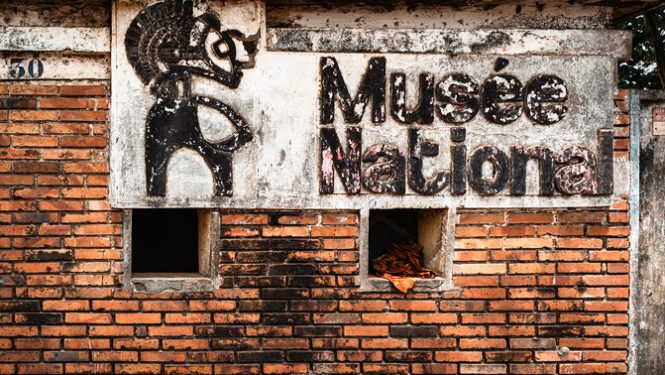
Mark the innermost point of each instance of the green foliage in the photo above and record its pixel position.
(640, 72)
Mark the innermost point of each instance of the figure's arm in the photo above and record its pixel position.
(242, 133)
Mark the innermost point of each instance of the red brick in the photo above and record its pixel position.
(131, 368)
(491, 318)
(83, 90)
(384, 343)
(188, 369)
(465, 356)
(530, 218)
(84, 368)
(581, 217)
(605, 355)
(244, 219)
(40, 368)
(377, 331)
(341, 218)
(87, 343)
(285, 231)
(560, 230)
(88, 318)
(188, 344)
(279, 368)
(478, 243)
(63, 331)
(531, 268)
(583, 268)
(138, 318)
(111, 331)
(579, 243)
(614, 280)
(32, 89)
(56, 102)
(413, 305)
(208, 306)
(582, 342)
(234, 369)
(438, 318)
(483, 293)
(85, 116)
(170, 356)
(433, 343)
(480, 269)
(554, 356)
(582, 318)
(532, 369)
(28, 115)
(339, 243)
(461, 232)
(385, 318)
(512, 330)
(531, 318)
(482, 369)
(187, 318)
(478, 218)
(532, 343)
(481, 343)
(433, 368)
(363, 305)
(375, 368)
(335, 231)
(34, 141)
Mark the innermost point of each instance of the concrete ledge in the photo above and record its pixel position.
(174, 283)
(613, 43)
(381, 285)
(42, 39)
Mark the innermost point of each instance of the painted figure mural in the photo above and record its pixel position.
(169, 47)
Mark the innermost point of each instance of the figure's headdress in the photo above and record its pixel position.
(165, 39)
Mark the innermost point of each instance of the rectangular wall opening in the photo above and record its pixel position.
(171, 249)
(165, 241)
(403, 230)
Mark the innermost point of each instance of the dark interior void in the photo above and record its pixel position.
(387, 227)
(165, 241)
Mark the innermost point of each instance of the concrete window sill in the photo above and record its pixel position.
(171, 283)
(381, 285)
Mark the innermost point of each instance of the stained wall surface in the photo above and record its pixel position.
(533, 290)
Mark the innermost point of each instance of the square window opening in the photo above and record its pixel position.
(430, 228)
(171, 249)
(165, 241)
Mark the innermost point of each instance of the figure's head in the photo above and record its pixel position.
(165, 39)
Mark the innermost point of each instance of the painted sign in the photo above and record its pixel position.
(211, 109)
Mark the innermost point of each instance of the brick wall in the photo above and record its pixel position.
(538, 292)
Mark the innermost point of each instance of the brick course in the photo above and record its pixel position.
(537, 292)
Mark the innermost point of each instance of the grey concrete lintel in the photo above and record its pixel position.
(50, 39)
(614, 43)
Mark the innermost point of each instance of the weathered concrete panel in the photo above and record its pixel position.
(47, 13)
(437, 14)
(648, 293)
(75, 39)
(351, 129)
(30, 66)
(487, 42)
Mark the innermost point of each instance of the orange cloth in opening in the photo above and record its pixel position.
(402, 265)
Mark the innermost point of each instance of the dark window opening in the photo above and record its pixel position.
(388, 227)
(407, 242)
(165, 241)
